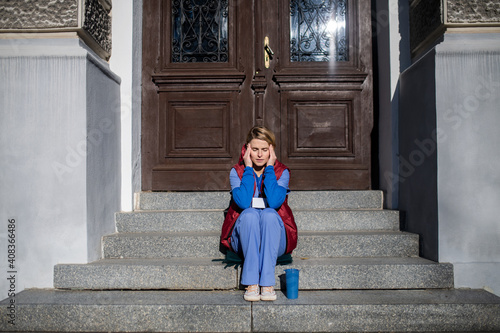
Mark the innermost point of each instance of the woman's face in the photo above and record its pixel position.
(259, 152)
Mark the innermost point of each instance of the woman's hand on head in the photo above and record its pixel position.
(272, 156)
(246, 157)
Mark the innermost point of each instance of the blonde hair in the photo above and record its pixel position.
(261, 133)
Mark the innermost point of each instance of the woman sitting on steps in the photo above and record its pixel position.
(259, 225)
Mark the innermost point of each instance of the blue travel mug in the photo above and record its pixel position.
(292, 283)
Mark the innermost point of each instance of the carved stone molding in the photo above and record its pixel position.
(430, 19)
(90, 19)
(40, 14)
(97, 22)
(473, 11)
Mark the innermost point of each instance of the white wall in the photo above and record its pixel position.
(449, 151)
(391, 35)
(59, 146)
(121, 64)
(468, 104)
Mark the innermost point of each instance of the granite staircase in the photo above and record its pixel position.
(162, 271)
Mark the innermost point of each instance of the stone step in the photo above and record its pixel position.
(370, 273)
(356, 244)
(210, 274)
(346, 220)
(296, 200)
(162, 245)
(226, 311)
(169, 221)
(211, 220)
(380, 311)
(175, 273)
(311, 245)
(181, 200)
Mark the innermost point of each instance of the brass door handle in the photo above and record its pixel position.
(268, 54)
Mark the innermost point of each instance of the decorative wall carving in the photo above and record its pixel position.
(31, 16)
(430, 19)
(38, 14)
(98, 23)
(473, 11)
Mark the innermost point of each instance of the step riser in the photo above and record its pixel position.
(165, 316)
(203, 277)
(169, 221)
(335, 200)
(309, 246)
(325, 277)
(306, 220)
(365, 245)
(297, 200)
(178, 277)
(182, 200)
(322, 311)
(162, 247)
(388, 318)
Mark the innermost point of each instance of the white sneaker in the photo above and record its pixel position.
(252, 293)
(268, 294)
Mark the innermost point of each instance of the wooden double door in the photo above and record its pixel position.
(214, 68)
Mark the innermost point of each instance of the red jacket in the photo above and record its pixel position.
(284, 212)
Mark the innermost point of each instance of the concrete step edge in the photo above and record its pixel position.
(333, 311)
(297, 199)
(210, 220)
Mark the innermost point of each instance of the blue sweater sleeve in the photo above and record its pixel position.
(242, 190)
(275, 190)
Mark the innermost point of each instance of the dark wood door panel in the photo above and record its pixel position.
(196, 124)
(321, 128)
(200, 99)
(198, 138)
(326, 147)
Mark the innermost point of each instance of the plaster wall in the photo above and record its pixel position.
(121, 63)
(59, 171)
(418, 156)
(392, 55)
(103, 154)
(449, 156)
(468, 90)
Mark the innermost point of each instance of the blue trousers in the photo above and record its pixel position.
(259, 235)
